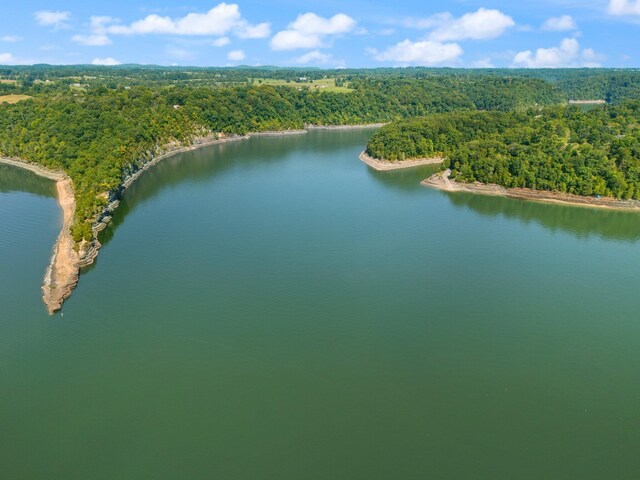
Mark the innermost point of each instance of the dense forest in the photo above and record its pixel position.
(101, 123)
(612, 85)
(99, 134)
(559, 148)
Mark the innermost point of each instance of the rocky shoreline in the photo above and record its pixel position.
(441, 181)
(68, 257)
(62, 274)
(386, 165)
(343, 127)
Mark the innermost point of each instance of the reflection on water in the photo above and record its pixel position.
(271, 311)
(14, 179)
(200, 166)
(203, 165)
(406, 180)
(579, 221)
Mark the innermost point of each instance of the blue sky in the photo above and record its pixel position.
(328, 33)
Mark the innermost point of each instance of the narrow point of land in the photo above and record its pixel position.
(344, 127)
(441, 181)
(69, 257)
(386, 165)
(61, 275)
(63, 271)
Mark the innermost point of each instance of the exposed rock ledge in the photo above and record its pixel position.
(68, 257)
(441, 181)
(385, 165)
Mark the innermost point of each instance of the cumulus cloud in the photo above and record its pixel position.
(426, 53)
(10, 38)
(315, 56)
(99, 23)
(309, 30)
(236, 55)
(98, 36)
(7, 58)
(221, 42)
(94, 40)
(109, 61)
(220, 20)
(567, 54)
(483, 24)
(262, 30)
(55, 19)
(624, 7)
(560, 24)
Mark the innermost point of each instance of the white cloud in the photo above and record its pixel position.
(291, 39)
(220, 20)
(10, 39)
(560, 24)
(262, 30)
(221, 42)
(424, 53)
(94, 40)
(99, 23)
(7, 58)
(567, 54)
(56, 19)
(480, 25)
(624, 7)
(98, 36)
(109, 61)
(236, 55)
(315, 56)
(309, 31)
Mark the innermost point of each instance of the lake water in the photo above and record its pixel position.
(274, 309)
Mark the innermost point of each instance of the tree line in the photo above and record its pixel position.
(558, 148)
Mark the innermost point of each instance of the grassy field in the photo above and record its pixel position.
(324, 84)
(13, 98)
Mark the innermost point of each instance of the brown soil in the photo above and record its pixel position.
(62, 274)
(442, 181)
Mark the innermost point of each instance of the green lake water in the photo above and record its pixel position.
(274, 309)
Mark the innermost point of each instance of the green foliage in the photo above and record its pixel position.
(558, 148)
(99, 124)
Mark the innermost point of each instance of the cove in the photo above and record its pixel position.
(276, 309)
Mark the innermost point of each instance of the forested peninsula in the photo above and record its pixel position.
(100, 127)
(560, 149)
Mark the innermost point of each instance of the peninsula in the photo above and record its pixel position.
(559, 154)
(94, 130)
(385, 165)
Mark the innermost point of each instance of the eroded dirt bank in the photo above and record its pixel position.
(61, 275)
(442, 181)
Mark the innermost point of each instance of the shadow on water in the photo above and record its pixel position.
(579, 221)
(14, 179)
(406, 180)
(203, 165)
(200, 166)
